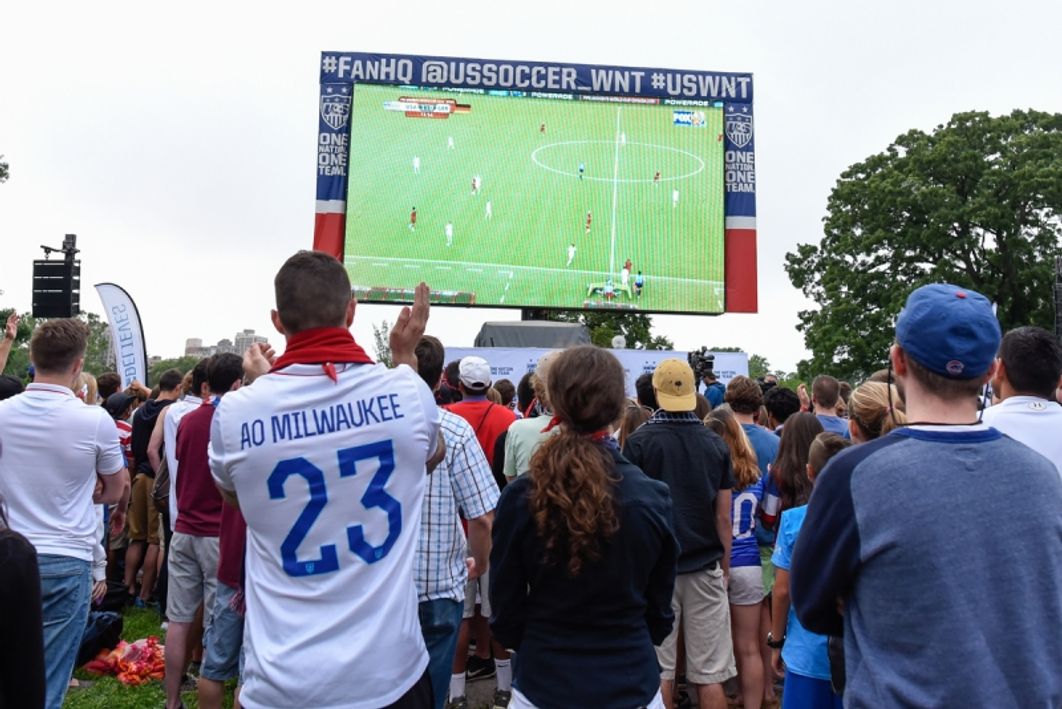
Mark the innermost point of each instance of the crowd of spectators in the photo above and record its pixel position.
(332, 532)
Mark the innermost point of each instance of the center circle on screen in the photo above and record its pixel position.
(548, 156)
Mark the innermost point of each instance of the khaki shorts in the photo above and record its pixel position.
(477, 587)
(702, 612)
(746, 585)
(193, 577)
(143, 518)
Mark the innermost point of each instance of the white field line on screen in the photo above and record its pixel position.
(477, 267)
(615, 196)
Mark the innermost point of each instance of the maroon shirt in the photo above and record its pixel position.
(198, 500)
(231, 546)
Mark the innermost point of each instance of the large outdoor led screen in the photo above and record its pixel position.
(514, 199)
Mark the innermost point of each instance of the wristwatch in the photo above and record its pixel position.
(774, 644)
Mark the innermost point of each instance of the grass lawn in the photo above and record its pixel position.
(539, 202)
(109, 693)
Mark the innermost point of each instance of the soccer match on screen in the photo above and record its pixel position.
(507, 198)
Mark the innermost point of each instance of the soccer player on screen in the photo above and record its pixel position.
(476, 182)
(416, 164)
(490, 211)
(623, 138)
(582, 169)
(413, 220)
(589, 218)
(449, 234)
(542, 129)
(674, 198)
(628, 265)
(639, 283)
(449, 142)
(656, 179)
(571, 255)
(625, 276)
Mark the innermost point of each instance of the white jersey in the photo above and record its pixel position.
(1030, 420)
(51, 448)
(173, 415)
(330, 477)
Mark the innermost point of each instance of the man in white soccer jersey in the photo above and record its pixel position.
(327, 455)
(625, 276)
(449, 142)
(449, 234)
(490, 211)
(674, 198)
(416, 164)
(571, 255)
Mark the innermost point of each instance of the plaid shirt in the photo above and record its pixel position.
(462, 481)
(661, 416)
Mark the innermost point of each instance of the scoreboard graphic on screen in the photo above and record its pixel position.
(533, 184)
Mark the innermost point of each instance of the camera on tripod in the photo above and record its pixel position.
(702, 362)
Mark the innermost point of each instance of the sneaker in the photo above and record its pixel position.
(457, 703)
(479, 668)
(501, 699)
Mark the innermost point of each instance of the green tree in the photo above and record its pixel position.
(18, 360)
(99, 355)
(4, 170)
(603, 325)
(381, 338)
(976, 202)
(184, 364)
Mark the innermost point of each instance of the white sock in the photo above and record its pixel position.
(504, 669)
(457, 686)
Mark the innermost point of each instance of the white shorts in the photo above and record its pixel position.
(477, 591)
(519, 701)
(746, 585)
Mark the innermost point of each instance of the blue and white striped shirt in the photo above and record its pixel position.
(462, 481)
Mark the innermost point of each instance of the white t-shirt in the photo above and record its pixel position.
(173, 415)
(1030, 420)
(330, 477)
(51, 447)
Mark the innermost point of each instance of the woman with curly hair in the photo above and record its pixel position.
(746, 578)
(583, 563)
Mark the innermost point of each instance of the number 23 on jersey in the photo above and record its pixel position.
(376, 496)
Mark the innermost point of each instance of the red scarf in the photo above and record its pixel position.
(322, 345)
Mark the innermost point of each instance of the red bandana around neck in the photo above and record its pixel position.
(326, 346)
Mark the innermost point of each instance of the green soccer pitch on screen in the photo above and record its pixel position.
(520, 201)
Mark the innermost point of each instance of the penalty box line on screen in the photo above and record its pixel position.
(507, 270)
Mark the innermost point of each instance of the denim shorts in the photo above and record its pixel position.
(223, 641)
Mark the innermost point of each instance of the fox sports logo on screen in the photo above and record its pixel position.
(694, 119)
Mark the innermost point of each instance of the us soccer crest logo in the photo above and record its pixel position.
(335, 109)
(739, 129)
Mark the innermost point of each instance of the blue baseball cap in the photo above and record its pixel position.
(949, 330)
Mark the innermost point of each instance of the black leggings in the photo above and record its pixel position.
(419, 695)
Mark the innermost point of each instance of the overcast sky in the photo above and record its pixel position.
(178, 141)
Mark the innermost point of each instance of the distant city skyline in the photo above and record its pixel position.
(194, 347)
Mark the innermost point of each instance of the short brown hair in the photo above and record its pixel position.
(108, 383)
(825, 390)
(312, 290)
(430, 354)
(825, 446)
(57, 344)
(944, 387)
(744, 395)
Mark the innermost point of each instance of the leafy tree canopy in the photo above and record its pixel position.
(976, 202)
(184, 364)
